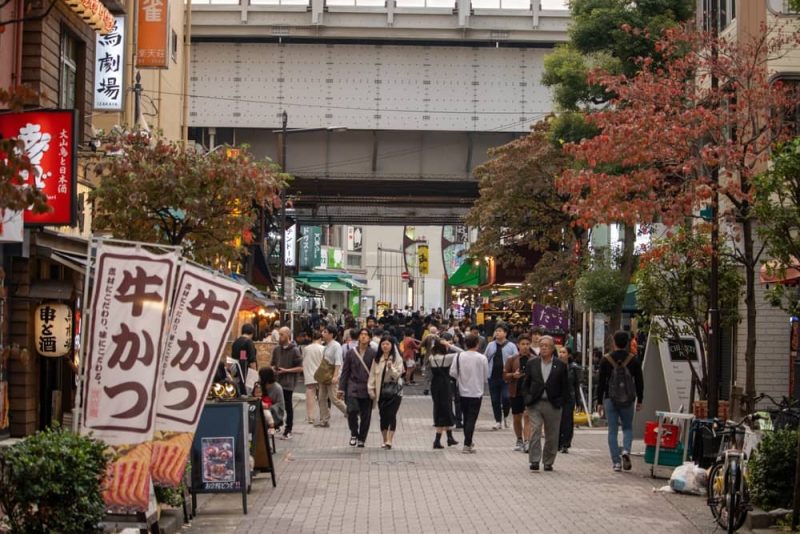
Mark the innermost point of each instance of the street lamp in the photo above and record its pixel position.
(283, 133)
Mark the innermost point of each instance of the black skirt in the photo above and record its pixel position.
(442, 399)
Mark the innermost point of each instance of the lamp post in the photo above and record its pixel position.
(283, 137)
(284, 123)
(712, 386)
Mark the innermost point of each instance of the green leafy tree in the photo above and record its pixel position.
(520, 208)
(611, 35)
(157, 192)
(51, 482)
(602, 286)
(778, 208)
(673, 284)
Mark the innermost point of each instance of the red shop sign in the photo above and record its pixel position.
(50, 143)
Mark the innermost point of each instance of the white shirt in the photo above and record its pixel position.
(470, 369)
(546, 368)
(312, 356)
(333, 353)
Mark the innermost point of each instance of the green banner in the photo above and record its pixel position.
(310, 246)
(355, 302)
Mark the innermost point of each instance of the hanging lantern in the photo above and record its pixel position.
(53, 330)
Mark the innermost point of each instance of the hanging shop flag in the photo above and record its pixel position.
(422, 259)
(202, 316)
(109, 66)
(49, 141)
(131, 292)
(153, 34)
(53, 328)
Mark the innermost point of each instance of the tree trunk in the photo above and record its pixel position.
(750, 304)
(627, 263)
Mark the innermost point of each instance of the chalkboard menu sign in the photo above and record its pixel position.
(683, 349)
(220, 455)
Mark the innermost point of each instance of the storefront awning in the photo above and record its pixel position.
(770, 273)
(352, 283)
(469, 275)
(330, 286)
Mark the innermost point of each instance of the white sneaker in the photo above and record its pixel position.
(497, 426)
(505, 422)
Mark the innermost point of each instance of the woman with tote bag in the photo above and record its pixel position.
(386, 387)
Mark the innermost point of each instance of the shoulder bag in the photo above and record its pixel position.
(389, 390)
(324, 373)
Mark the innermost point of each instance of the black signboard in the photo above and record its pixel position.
(220, 455)
(259, 439)
(681, 350)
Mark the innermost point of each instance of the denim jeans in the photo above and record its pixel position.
(616, 415)
(501, 402)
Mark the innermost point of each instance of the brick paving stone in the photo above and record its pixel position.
(324, 485)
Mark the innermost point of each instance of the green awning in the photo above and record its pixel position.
(330, 286)
(352, 283)
(469, 275)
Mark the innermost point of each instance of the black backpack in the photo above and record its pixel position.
(621, 386)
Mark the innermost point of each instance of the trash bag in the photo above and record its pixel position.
(689, 478)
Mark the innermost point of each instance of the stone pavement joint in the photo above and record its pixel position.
(324, 485)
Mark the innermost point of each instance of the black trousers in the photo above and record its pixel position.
(471, 407)
(387, 409)
(287, 400)
(458, 415)
(364, 413)
(566, 430)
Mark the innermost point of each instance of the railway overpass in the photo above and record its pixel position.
(402, 98)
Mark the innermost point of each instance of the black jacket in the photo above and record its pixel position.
(557, 385)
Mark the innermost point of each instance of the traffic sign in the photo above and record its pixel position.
(405, 276)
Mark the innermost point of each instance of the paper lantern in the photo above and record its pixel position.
(53, 330)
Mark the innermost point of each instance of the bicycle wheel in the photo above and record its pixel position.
(716, 494)
(736, 498)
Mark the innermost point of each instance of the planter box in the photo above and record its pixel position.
(700, 409)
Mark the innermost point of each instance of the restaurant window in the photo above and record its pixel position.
(68, 71)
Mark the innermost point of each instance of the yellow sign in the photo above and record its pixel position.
(422, 259)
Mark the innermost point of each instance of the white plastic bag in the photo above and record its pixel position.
(688, 478)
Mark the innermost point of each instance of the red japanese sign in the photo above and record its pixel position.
(202, 315)
(130, 299)
(49, 141)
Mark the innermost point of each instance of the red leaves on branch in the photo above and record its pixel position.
(668, 129)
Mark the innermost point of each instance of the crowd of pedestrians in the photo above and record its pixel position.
(533, 383)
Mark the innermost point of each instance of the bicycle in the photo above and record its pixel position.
(782, 415)
(728, 494)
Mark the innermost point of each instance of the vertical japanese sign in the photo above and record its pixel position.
(153, 34)
(422, 259)
(310, 246)
(290, 236)
(49, 141)
(202, 316)
(53, 327)
(355, 236)
(131, 292)
(109, 67)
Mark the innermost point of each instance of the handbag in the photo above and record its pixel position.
(324, 373)
(389, 390)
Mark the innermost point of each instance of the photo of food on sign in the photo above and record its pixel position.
(218, 460)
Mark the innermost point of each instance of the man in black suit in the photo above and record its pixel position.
(546, 391)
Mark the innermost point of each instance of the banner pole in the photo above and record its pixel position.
(77, 409)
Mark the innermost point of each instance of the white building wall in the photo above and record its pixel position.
(428, 290)
(772, 345)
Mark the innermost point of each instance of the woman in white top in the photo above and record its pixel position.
(387, 370)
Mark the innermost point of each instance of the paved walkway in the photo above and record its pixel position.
(324, 485)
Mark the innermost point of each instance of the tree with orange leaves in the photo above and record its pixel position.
(670, 138)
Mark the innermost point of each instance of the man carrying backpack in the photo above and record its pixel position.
(619, 393)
